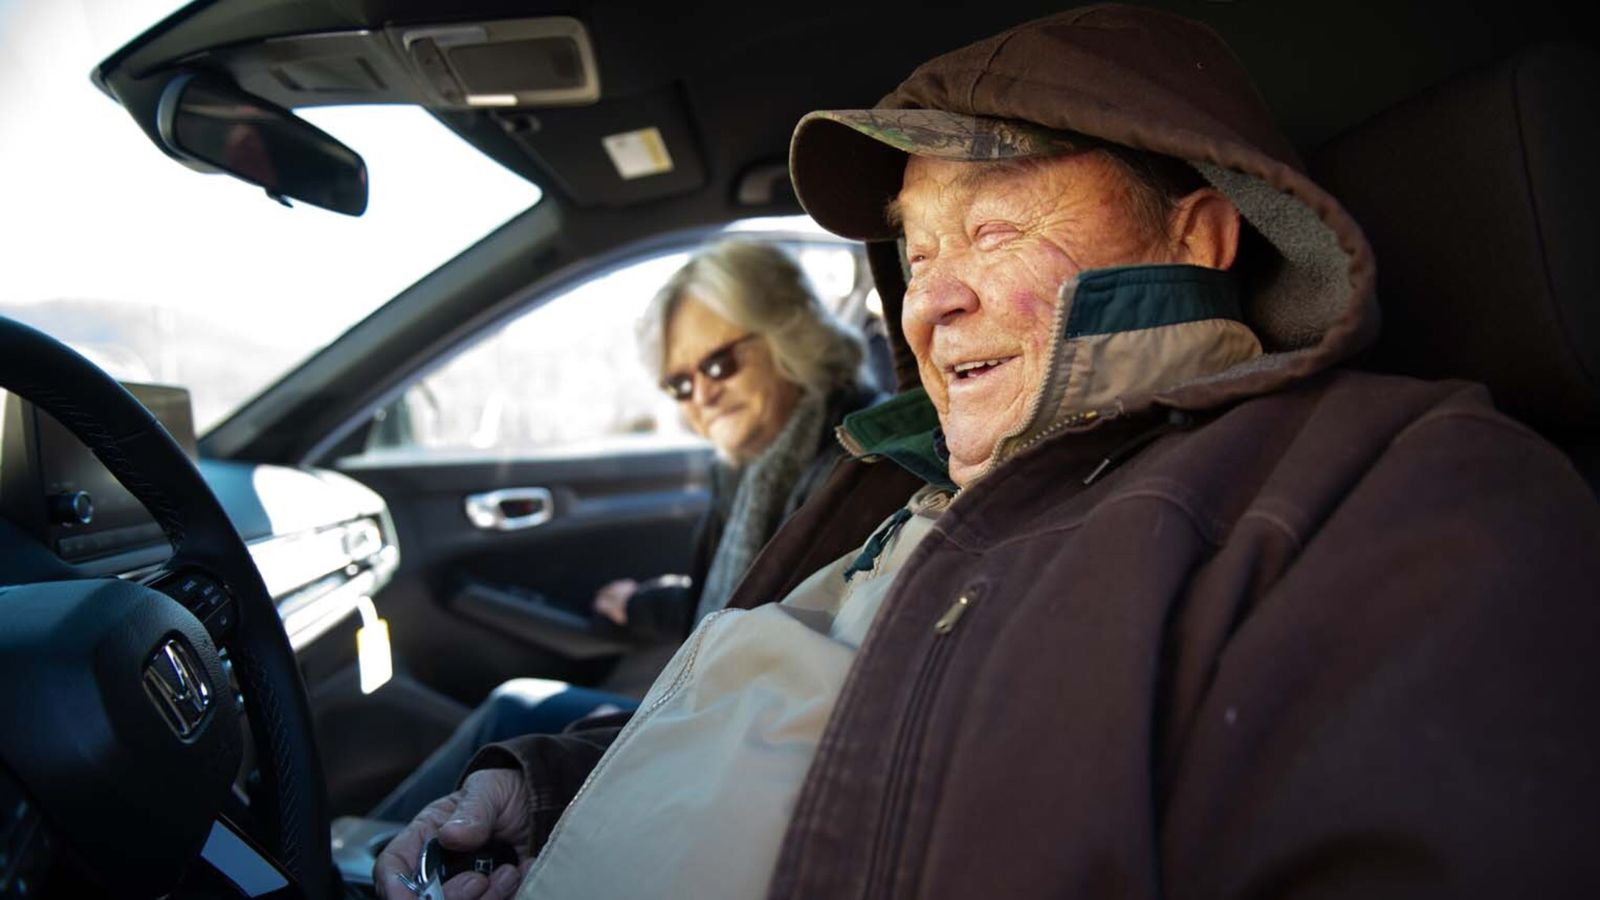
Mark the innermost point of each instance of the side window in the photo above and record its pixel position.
(834, 274)
(839, 274)
(563, 377)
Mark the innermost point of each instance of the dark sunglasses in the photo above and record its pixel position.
(718, 365)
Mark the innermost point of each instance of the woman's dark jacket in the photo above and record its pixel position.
(665, 613)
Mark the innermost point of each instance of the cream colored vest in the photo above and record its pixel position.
(693, 797)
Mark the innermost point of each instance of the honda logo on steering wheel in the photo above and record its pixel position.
(177, 686)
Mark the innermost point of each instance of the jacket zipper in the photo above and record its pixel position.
(883, 864)
(852, 447)
(1084, 420)
(1058, 323)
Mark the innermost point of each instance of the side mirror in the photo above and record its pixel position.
(213, 126)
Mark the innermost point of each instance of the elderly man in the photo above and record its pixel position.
(1175, 606)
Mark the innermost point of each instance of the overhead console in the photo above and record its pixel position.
(536, 62)
(534, 83)
(323, 542)
(522, 62)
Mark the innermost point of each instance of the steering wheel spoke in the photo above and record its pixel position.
(201, 593)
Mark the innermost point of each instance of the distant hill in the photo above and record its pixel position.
(221, 366)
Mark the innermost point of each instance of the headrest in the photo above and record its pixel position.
(1482, 202)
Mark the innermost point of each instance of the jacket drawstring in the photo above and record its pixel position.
(874, 548)
(1177, 420)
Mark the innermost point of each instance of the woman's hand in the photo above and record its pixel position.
(491, 805)
(611, 601)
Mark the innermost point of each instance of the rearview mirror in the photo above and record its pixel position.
(213, 126)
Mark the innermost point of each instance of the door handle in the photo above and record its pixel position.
(511, 509)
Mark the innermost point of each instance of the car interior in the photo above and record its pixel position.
(360, 590)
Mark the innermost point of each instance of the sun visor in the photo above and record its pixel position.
(617, 152)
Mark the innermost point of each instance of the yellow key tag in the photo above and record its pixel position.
(373, 658)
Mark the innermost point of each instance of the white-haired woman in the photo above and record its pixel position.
(761, 370)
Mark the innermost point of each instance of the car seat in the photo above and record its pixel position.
(1481, 198)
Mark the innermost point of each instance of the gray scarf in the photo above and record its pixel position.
(758, 503)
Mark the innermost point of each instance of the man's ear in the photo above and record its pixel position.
(1204, 230)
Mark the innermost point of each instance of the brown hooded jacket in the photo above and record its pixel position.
(1325, 633)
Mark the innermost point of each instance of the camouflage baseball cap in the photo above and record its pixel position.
(847, 164)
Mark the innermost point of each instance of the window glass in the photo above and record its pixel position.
(565, 377)
(832, 271)
(158, 273)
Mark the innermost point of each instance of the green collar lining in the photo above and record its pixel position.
(1106, 301)
(1133, 298)
(900, 429)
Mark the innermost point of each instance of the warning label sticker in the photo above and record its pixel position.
(638, 153)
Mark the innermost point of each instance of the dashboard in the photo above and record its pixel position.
(324, 543)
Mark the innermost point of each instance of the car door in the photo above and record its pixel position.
(524, 472)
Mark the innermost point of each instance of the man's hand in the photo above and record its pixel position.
(611, 600)
(491, 805)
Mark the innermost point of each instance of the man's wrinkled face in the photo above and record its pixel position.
(989, 247)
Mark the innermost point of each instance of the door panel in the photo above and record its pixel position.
(471, 606)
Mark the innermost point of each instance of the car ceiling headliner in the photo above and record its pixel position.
(744, 72)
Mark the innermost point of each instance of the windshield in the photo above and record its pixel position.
(159, 273)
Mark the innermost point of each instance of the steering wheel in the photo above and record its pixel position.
(121, 728)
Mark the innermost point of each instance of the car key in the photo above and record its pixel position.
(412, 884)
(424, 886)
(432, 890)
(439, 864)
